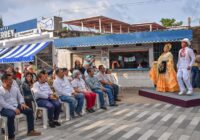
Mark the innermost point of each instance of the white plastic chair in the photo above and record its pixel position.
(84, 107)
(3, 124)
(121, 89)
(98, 100)
(44, 112)
(66, 110)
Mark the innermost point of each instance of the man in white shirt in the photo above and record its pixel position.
(12, 104)
(15, 82)
(45, 98)
(186, 58)
(67, 94)
(66, 74)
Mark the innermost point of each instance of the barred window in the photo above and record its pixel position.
(129, 60)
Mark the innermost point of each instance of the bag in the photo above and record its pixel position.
(162, 67)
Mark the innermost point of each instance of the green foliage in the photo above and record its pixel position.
(167, 22)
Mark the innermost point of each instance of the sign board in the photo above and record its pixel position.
(25, 28)
(46, 24)
(7, 34)
(26, 33)
(12, 34)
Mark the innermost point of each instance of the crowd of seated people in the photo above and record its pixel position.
(17, 93)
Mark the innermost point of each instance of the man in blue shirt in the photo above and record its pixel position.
(96, 87)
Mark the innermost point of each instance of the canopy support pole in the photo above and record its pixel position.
(100, 25)
(36, 62)
(111, 28)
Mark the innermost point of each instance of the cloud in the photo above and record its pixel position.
(192, 7)
(14, 11)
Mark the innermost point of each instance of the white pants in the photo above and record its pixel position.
(183, 77)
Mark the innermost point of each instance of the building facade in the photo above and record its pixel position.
(28, 41)
(130, 56)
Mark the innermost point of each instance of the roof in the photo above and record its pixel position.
(93, 22)
(119, 39)
(105, 23)
(22, 26)
(147, 26)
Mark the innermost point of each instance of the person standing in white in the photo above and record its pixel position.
(186, 59)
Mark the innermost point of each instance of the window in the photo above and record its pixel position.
(158, 50)
(129, 60)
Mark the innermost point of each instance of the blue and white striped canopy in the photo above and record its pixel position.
(22, 53)
(4, 50)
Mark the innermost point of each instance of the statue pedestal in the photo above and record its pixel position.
(172, 98)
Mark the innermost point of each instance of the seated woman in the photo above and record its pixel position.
(80, 86)
(26, 89)
(163, 73)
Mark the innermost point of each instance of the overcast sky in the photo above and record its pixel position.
(131, 11)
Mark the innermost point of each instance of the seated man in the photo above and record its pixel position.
(45, 98)
(15, 82)
(102, 77)
(80, 87)
(66, 74)
(12, 104)
(67, 94)
(96, 87)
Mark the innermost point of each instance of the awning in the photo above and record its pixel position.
(23, 53)
(123, 39)
(4, 50)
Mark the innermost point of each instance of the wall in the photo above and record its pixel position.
(131, 78)
(63, 58)
(196, 38)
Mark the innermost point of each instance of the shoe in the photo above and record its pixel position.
(73, 117)
(92, 110)
(114, 104)
(181, 93)
(56, 123)
(2, 131)
(79, 114)
(12, 139)
(51, 124)
(189, 93)
(89, 110)
(34, 133)
(104, 108)
(119, 100)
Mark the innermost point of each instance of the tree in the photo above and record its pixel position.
(1, 22)
(168, 22)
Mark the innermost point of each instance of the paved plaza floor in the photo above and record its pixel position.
(136, 118)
